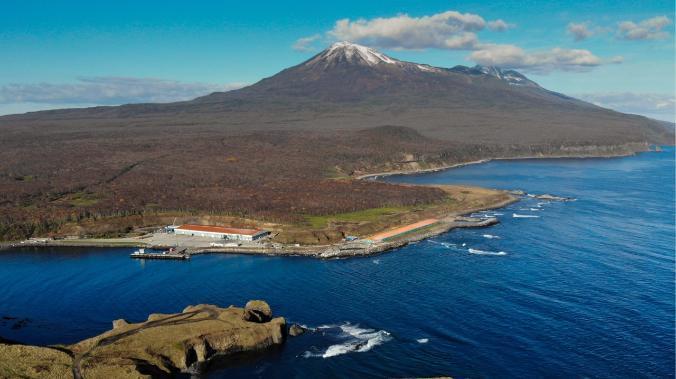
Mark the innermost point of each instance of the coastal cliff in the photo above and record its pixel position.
(164, 345)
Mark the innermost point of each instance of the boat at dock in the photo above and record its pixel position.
(167, 254)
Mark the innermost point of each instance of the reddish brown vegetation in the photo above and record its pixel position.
(49, 179)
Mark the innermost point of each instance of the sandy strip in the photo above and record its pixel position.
(403, 229)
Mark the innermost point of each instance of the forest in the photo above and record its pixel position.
(50, 176)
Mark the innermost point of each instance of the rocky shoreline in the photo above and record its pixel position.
(165, 345)
(340, 250)
(604, 152)
(352, 249)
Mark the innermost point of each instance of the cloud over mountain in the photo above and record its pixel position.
(447, 30)
(556, 59)
(452, 30)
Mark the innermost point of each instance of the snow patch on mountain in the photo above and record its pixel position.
(352, 53)
(510, 76)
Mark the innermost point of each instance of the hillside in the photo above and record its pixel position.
(287, 146)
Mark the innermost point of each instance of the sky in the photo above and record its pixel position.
(64, 54)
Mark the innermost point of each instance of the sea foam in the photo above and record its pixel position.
(355, 339)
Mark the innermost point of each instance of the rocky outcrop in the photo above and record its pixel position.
(257, 311)
(119, 323)
(162, 346)
(296, 330)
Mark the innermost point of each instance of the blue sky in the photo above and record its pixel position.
(79, 53)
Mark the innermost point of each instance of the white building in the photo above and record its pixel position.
(221, 232)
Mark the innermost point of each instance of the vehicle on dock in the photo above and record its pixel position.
(172, 253)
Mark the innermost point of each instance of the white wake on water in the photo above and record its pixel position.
(516, 215)
(356, 339)
(423, 340)
(483, 252)
(490, 236)
(448, 245)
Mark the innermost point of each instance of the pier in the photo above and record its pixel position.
(168, 254)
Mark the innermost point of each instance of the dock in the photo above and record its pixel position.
(168, 254)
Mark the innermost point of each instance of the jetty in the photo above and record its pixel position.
(167, 254)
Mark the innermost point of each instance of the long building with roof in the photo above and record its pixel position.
(221, 232)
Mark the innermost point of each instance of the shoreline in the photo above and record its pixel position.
(487, 160)
(358, 248)
(331, 251)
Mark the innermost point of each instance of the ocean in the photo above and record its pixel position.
(558, 289)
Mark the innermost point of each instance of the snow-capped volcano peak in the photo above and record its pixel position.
(351, 53)
(350, 50)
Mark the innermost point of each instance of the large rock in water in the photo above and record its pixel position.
(296, 330)
(163, 346)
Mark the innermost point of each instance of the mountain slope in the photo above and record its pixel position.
(287, 147)
(351, 86)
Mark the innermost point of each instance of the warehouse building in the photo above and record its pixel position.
(221, 232)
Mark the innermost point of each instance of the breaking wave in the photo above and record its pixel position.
(482, 252)
(423, 340)
(490, 236)
(353, 339)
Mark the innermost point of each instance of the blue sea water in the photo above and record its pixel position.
(585, 289)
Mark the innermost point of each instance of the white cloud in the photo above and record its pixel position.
(616, 59)
(305, 44)
(499, 25)
(580, 31)
(659, 106)
(649, 29)
(108, 91)
(446, 30)
(556, 59)
(453, 30)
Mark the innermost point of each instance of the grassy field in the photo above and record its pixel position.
(367, 215)
(331, 228)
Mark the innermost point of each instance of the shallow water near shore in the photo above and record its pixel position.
(586, 288)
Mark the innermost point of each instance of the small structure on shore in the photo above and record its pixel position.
(221, 232)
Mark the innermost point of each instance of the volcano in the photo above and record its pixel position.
(349, 86)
